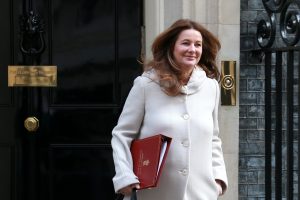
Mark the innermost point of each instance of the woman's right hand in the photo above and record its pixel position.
(126, 191)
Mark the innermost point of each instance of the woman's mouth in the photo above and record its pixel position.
(190, 57)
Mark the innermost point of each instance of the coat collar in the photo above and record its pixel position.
(196, 80)
(194, 84)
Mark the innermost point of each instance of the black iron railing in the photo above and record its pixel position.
(281, 54)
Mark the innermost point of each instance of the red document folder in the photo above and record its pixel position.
(149, 155)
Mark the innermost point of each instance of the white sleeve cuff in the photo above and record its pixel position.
(123, 181)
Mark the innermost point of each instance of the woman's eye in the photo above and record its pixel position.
(198, 45)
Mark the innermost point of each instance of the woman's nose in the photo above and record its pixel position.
(192, 48)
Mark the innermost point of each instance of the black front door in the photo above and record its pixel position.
(95, 45)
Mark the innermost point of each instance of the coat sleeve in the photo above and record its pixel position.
(128, 127)
(219, 169)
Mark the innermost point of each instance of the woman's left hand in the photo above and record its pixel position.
(126, 191)
(219, 185)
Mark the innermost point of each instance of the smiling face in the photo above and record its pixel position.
(188, 49)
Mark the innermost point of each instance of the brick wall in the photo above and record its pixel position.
(251, 142)
(252, 134)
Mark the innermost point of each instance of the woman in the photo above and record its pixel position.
(178, 96)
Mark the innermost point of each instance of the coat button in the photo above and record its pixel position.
(185, 143)
(186, 116)
(184, 172)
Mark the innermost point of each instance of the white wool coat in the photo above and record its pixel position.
(195, 157)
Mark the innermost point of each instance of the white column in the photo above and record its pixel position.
(173, 11)
(154, 22)
(221, 17)
(229, 35)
